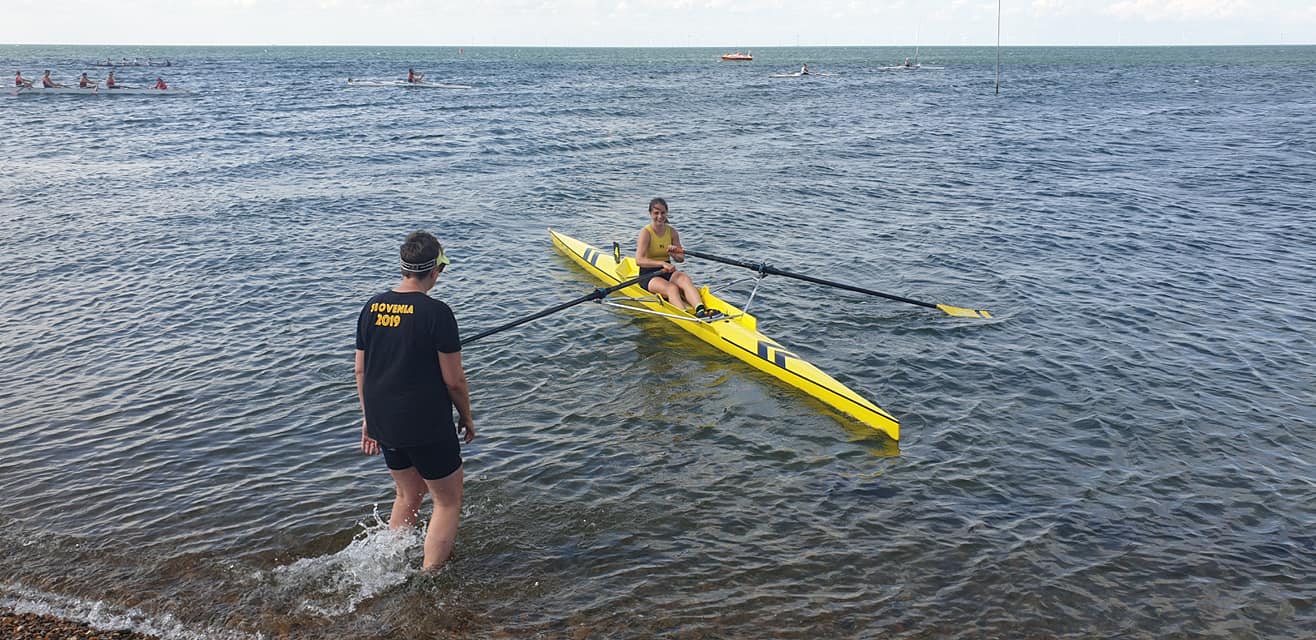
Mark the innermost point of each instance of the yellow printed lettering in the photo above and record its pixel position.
(391, 309)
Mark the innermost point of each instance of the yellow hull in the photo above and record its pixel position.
(736, 335)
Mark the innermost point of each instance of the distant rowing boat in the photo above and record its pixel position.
(38, 89)
(94, 91)
(405, 84)
(132, 64)
(910, 67)
(738, 56)
(797, 74)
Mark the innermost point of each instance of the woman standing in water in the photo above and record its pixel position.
(409, 378)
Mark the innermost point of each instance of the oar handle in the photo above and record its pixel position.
(597, 294)
(766, 268)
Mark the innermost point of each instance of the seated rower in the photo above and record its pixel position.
(658, 244)
(414, 77)
(110, 83)
(160, 83)
(20, 81)
(85, 83)
(48, 83)
(804, 70)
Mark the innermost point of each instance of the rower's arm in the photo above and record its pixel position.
(675, 249)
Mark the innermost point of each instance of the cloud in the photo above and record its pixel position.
(1175, 10)
(1050, 7)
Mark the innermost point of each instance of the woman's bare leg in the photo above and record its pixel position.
(687, 287)
(410, 490)
(667, 290)
(442, 531)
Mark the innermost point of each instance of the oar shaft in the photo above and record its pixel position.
(766, 268)
(597, 294)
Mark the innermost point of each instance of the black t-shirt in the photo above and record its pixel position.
(406, 401)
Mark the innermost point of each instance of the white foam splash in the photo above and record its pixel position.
(335, 584)
(106, 617)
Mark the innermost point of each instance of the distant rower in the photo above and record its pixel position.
(84, 82)
(160, 83)
(414, 77)
(20, 81)
(48, 83)
(804, 70)
(109, 81)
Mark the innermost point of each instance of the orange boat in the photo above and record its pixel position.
(738, 56)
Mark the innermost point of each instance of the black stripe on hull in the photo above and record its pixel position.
(781, 357)
(590, 251)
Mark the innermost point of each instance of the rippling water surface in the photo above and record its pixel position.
(1124, 451)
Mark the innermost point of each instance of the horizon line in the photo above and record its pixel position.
(609, 46)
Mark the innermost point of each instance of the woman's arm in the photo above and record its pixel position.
(675, 249)
(454, 377)
(368, 444)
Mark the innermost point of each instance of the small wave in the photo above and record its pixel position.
(106, 617)
(376, 560)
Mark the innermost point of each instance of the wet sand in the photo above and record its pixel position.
(31, 626)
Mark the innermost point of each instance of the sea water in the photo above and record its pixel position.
(1124, 450)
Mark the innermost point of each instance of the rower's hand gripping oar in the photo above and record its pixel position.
(765, 268)
(597, 294)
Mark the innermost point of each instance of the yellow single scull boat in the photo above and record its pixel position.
(735, 334)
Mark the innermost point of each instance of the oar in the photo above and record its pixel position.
(763, 267)
(597, 294)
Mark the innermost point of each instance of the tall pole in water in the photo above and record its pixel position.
(998, 47)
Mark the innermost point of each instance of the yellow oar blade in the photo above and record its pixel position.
(961, 312)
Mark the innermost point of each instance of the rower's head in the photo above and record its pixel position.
(658, 210)
(422, 256)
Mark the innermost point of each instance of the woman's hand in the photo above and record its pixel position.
(466, 427)
(669, 268)
(369, 446)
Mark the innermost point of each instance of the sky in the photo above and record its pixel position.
(657, 23)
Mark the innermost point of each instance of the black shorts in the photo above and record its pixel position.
(649, 274)
(433, 461)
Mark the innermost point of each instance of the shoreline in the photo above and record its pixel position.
(39, 626)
